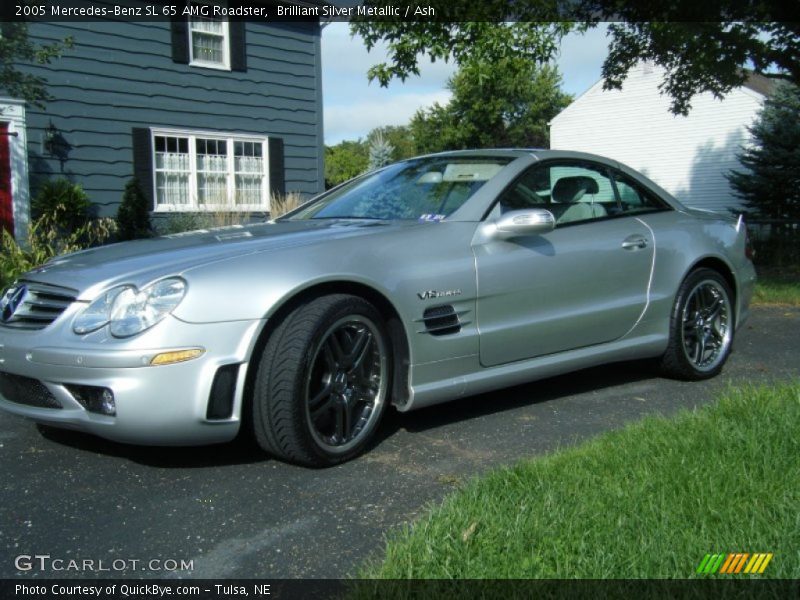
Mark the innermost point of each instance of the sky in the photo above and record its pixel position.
(353, 106)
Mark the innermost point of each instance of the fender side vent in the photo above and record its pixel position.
(220, 400)
(441, 320)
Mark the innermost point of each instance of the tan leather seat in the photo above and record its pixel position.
(573, 200)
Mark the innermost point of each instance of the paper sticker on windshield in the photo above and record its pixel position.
(430, 217)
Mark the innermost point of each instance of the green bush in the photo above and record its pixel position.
(64, 204)
(180, 222)
(133, 215)
(47, 240)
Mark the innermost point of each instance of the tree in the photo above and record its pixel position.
(508, 103)
(435, 129)
(399, 137)
(770, 183)
(380, 151)
(15, 47)
(705, 56)
(344, 161)
(349, 158)
(133, 214)
(702, 47)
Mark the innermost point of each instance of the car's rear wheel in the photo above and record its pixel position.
(323, 382)
(701, 327)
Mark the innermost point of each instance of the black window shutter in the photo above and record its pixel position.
(179, 27)
(236, 30)
(143, 161)
(277, 176)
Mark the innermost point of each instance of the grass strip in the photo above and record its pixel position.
(648, 501)
(772, 290)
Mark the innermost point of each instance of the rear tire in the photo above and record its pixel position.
(323, 382)
(701, 327)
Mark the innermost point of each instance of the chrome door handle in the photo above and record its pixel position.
(634, 242)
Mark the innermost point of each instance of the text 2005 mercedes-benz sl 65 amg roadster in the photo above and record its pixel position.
(428, 280)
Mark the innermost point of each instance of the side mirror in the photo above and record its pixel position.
(517, 223)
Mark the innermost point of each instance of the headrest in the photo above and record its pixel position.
(571, 189)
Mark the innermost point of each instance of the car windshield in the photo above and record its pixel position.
(425, 189)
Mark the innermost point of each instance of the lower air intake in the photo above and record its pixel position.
(27, 391)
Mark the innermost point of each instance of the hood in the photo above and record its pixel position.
(139, 262)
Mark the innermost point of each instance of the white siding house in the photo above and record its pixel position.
(687, 156)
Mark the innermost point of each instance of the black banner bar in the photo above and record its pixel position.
(407, 11)
(336, 589)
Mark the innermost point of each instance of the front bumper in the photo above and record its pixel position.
(155, 405)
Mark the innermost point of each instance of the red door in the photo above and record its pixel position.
(6, 207)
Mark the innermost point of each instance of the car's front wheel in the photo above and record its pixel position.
(323, 381)
(701, 327)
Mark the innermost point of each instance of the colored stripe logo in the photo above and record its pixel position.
(734, 563)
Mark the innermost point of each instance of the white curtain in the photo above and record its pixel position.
(207, 40)
(172, 178)
(212, 179)
(249, 179)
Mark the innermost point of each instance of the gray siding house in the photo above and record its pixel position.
(208, 114)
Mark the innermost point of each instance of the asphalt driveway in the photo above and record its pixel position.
(235, 514)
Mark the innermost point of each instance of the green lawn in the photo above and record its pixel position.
(647, 501)
(774, 289)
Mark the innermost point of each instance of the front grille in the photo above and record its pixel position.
(28, 391)
(40, 306)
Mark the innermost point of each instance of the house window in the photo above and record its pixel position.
(248, 165)
(173, 170)
(198, 171)
(208, 38)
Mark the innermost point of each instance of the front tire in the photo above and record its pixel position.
(323, 382)
(701, 327)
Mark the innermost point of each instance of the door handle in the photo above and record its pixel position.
(634, 242)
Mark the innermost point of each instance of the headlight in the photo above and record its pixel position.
(129, 311)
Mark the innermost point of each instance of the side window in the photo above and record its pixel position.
(532, 190)
(572, 191)
(633, 198)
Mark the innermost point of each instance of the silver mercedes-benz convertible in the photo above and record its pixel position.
(428, 280)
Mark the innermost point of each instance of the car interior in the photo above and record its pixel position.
(573, 194)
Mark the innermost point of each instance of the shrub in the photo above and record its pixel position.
(133, 215)
(64, 204)
(180, 222)
(280, 204)
(46, 240)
